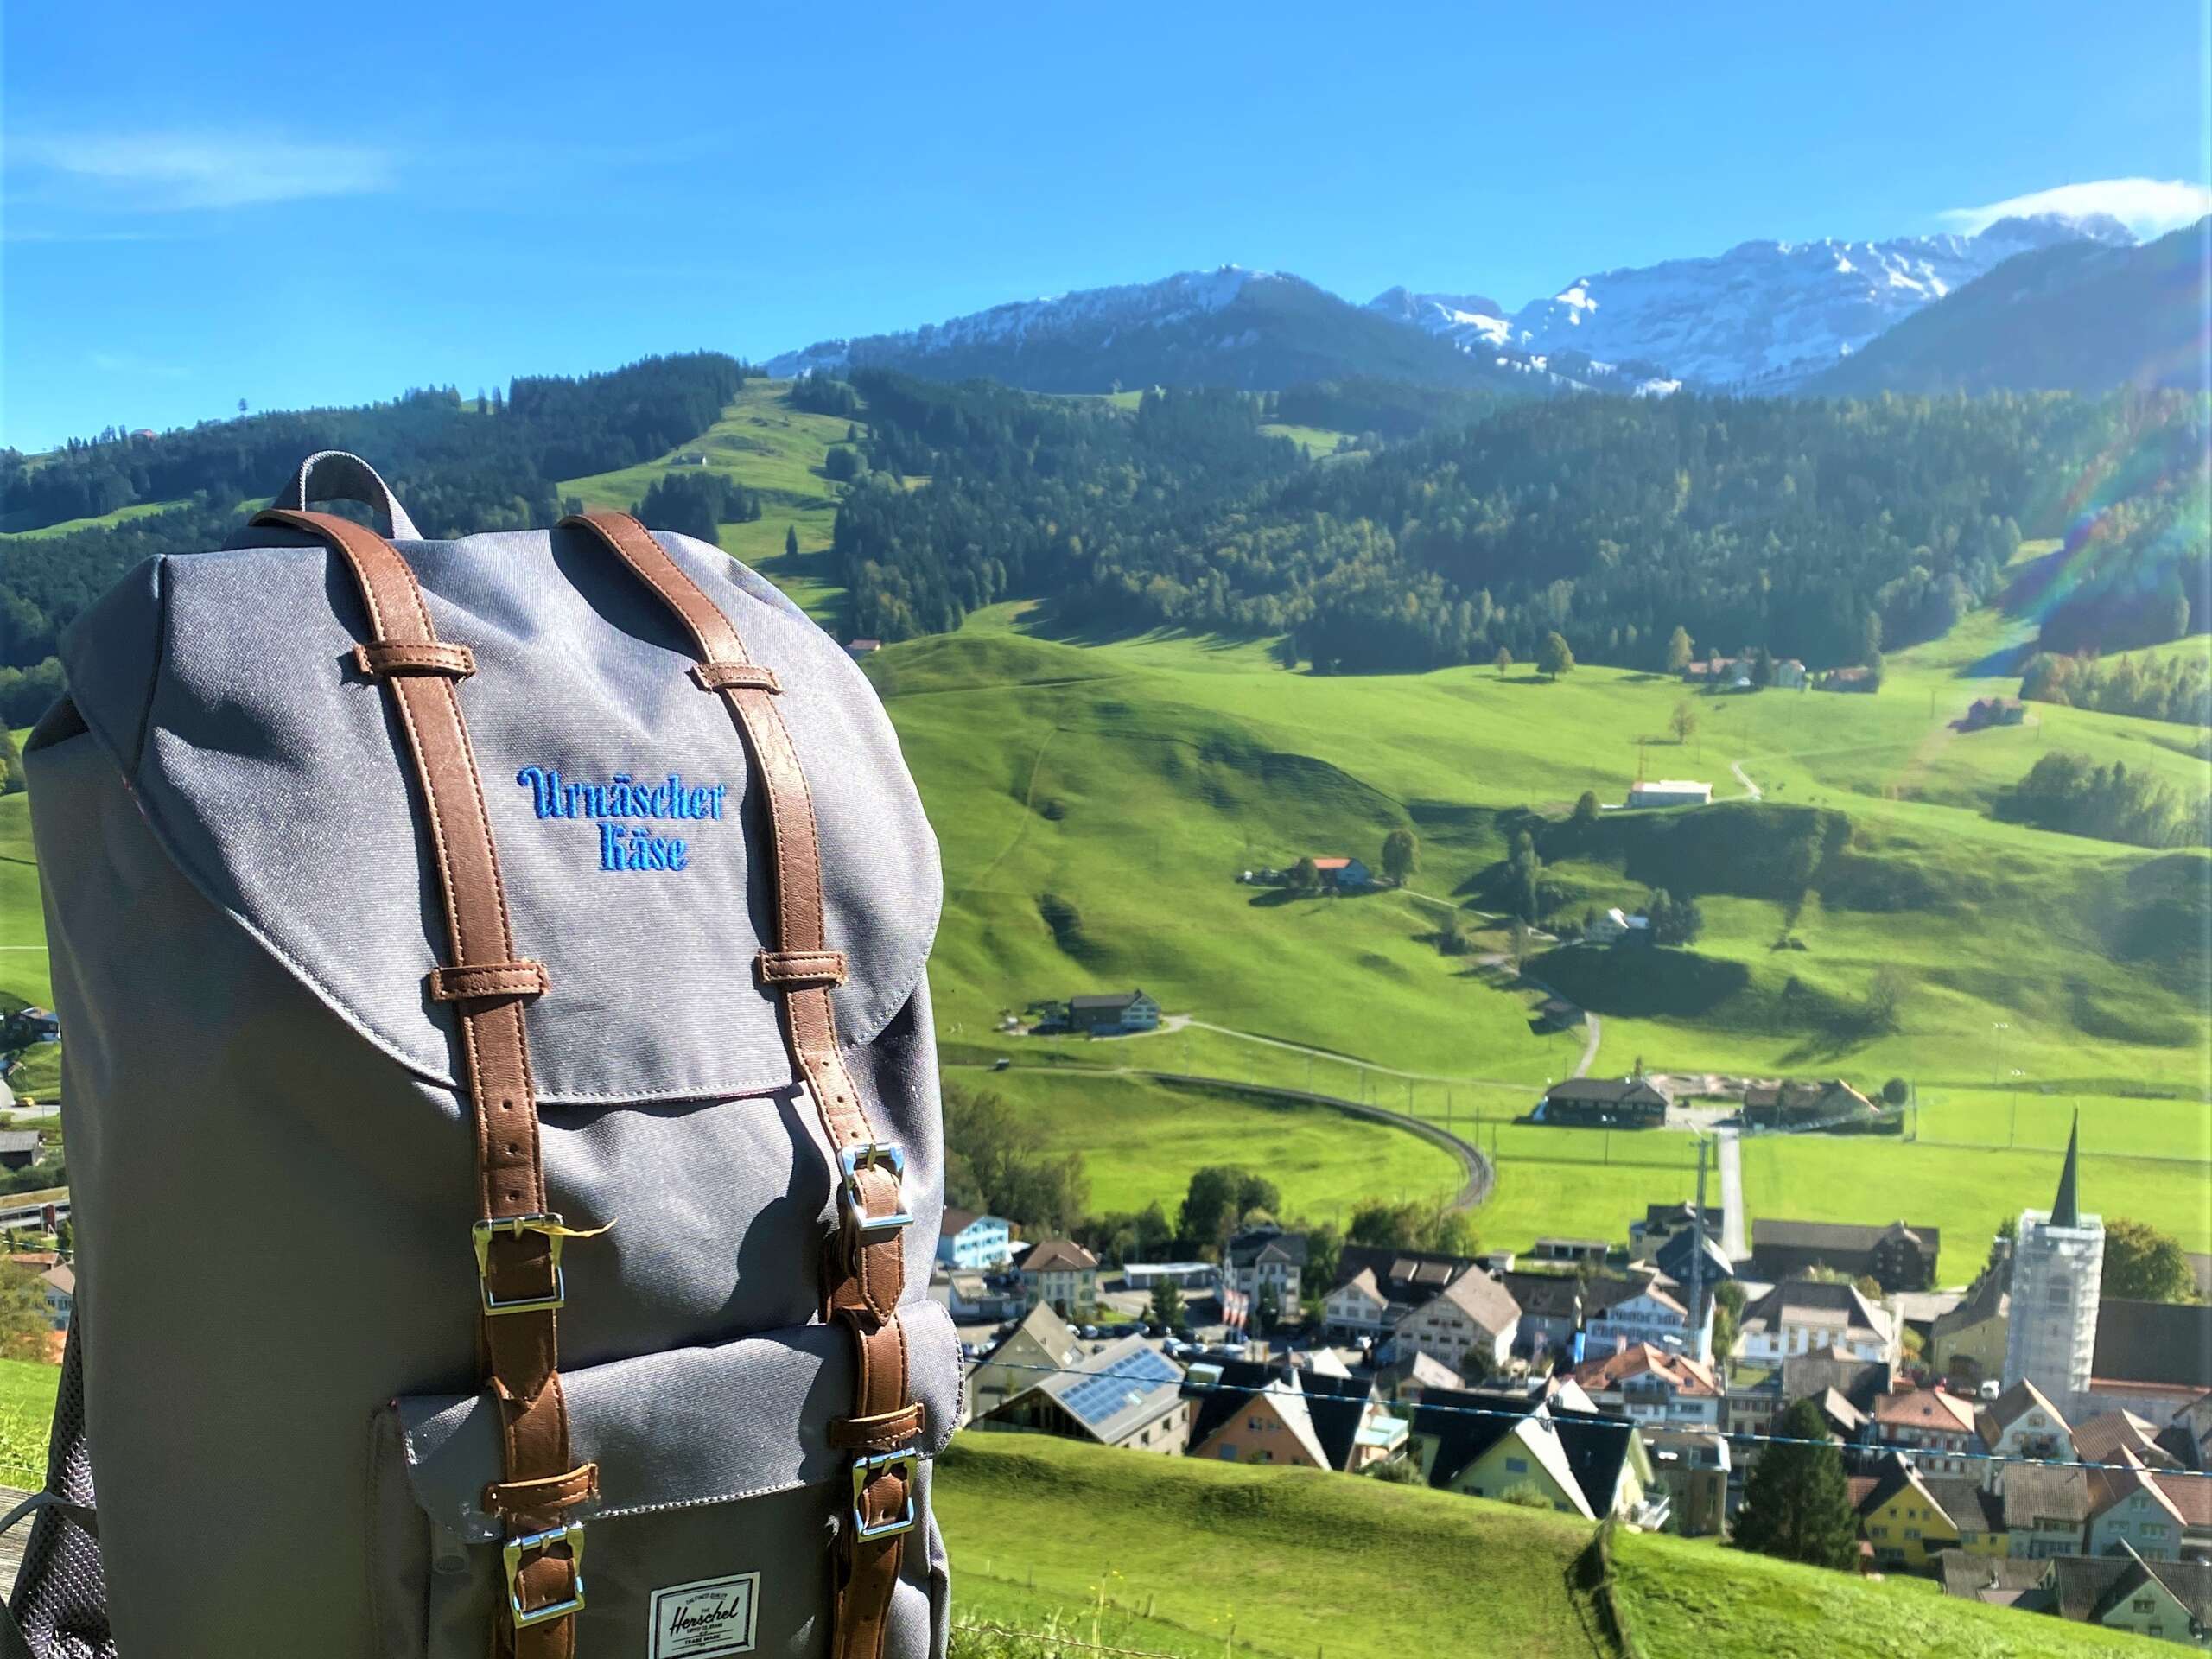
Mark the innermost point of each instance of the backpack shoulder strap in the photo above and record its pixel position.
(864, 1259)
(517, 1237)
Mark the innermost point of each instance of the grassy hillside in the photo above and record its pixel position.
(765, 443)
(1172, 1554)
(1094, 797)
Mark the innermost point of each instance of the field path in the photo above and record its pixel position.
(1472, 1160)
(1731, 1196)
(1744, 779)
(1350, 1060)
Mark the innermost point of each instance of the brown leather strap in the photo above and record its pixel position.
(488, 979)
(550, 1492)
(721, 677)
(384, 657)
(419, 674)
(863, 1260)
(797, 967)
(892, 1428)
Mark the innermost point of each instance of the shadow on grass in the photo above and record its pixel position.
(1049, 618)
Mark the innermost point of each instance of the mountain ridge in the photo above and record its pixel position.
(1764, 316)
(2078, 316)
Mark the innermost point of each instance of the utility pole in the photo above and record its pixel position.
(1698, 1344)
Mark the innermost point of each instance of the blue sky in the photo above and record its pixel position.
(213, 201)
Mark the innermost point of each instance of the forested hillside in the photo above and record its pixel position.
(460, 467)
(1827, 531)
(2082, 315)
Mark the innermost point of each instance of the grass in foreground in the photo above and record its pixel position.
(1292, 1560)
(1177, 1550)
(1688, 1599)
(27, 1394)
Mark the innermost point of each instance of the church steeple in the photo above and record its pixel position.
(2066, 1208)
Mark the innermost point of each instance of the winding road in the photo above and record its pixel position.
(1744, 779)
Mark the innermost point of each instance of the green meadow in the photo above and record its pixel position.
(1141, 1139)
(770, 447)
(1096, 794)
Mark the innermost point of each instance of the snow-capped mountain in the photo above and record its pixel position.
(1765, 316)
(1467, 319)
(1251, 329)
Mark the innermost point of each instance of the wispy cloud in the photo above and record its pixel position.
(2147, 207)
(176, 171)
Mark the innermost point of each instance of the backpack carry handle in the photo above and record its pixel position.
(334, 475)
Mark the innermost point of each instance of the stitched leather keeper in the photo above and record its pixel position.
(892, 1428)
(488, 979)
(793, 970)
(736, 676)
(429, 657)
(538, 1496)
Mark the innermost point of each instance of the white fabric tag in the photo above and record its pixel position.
(704, 1619)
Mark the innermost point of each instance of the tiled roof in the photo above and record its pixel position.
(1057, 1255)
(1483, 1299)
(1993, 1578)
(2155, 1341)
(2103, 1438)
(1808, 1301)
(1848, 1238)
(2048, 1491)
(1925, 1408)
(2015, 1403)
(1639, 1359)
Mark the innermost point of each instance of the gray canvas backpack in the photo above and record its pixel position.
(501, 1111)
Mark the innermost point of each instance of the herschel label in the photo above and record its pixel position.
(704, 1619)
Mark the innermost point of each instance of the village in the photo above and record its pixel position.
(2022, 1440)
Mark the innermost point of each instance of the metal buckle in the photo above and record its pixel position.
(549, 1226)
(866, 1467)
(874, 1155)
(538, 1543)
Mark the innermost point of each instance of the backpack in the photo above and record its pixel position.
(501, 1108)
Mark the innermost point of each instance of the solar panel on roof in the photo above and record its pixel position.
(1096, 1398)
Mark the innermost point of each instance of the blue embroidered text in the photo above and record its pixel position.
(621, 846)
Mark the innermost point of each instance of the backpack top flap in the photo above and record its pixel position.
(223, 685)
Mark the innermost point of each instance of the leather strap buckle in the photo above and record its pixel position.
(529, 1547)
(872, 1466)
(860, 1222)
(380, 658)
(548, 1227)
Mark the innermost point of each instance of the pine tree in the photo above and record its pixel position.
(1795, 1503)
(790, 541)
(1167, 1309)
